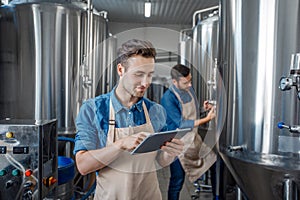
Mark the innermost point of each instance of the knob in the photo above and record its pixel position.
(285, 83)
(280, 125)
(49, 181)
(28, 184)
(28, 172)
(9, 134)
(9, 183)
(15, 172)
(3, 172)
(291, 128)
(27, 195)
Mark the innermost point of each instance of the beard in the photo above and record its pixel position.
(138, 94)
(134, 92)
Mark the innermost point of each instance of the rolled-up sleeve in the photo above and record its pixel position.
(87, 135)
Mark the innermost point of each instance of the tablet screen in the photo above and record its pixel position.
(154, 141)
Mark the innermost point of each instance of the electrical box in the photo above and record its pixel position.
(28, 154)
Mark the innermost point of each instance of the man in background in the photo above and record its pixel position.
(182, 110)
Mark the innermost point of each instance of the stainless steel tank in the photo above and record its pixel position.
(205, 51)
(257, 40)
(107, 75)
(198, 49)
(185, 47)
(45, 66)
(111, 73)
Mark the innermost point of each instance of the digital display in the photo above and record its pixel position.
(20, 150)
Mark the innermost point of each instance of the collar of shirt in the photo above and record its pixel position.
(118, 106)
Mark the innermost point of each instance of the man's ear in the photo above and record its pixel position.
(174, 81)
(120, 69)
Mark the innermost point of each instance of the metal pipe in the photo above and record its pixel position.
(239, 195)
(86, 67)
(103, 13)
(289, 190)
(89, 49)
(38, 61)
(4, 2)
(183, 34)
(202, 11)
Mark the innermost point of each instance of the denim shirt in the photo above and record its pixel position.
(93, 119)
(174, 109)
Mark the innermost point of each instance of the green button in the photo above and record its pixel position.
(15, 172)
(3, 172)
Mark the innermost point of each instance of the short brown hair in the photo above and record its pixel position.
(178, 71)
(135, 47)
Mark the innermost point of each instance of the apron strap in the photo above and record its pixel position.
(178, 96)
(112, 124)
(148, 121)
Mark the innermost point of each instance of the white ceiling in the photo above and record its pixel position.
(179, 12)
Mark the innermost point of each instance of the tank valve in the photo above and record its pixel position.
(213, 81)
(235, 148)
(292, 128)
(286, 83)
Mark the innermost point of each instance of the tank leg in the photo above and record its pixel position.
(289, 190)
(239, 195)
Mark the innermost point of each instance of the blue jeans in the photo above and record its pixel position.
(176, 180)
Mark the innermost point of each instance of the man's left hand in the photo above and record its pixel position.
(173, 148)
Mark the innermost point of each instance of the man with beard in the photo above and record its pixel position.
(111, 125)
(182, 109)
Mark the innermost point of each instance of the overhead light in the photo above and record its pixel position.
(147, 9)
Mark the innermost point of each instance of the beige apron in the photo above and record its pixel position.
(129, 177)
(192, 161)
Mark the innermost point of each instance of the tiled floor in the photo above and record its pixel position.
(187, 191)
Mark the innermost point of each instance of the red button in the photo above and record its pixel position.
(52, 180)
(28, 172)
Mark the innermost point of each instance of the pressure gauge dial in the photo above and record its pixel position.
(285, 83)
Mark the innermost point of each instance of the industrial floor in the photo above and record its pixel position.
(187, 191)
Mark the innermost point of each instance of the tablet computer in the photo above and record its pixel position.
(154, 141)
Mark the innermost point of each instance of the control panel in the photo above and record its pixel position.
(28, 153)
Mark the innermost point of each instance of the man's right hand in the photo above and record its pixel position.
(130, 142)
(212, 113)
